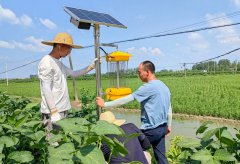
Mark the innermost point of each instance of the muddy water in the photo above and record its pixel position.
(181, 127)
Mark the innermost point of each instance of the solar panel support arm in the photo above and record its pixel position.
(79, 24)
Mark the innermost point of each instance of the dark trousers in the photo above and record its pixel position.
(156, 137)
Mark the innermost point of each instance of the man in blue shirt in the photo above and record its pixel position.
(156, 112)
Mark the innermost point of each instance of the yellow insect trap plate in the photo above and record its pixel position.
(118, 56)
(115, 93)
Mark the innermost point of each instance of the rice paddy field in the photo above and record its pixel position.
(211, 95)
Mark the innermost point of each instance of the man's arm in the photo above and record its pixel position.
(81, 71)
(169, 121)
(124, 100)
(47, 93)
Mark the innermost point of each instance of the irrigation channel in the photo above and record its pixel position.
(180, 127)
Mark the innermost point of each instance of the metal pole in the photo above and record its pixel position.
(185, 71)
(73, 78)
(6, 74)
(98, 66)
(118, 85)
(236, 67)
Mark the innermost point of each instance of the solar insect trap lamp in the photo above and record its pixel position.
(117, 64)
(84, 19)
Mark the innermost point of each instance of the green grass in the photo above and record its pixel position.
(217, 95)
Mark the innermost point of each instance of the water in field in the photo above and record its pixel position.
(186, 128)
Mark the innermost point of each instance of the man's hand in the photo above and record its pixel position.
(168, 131)
(55, 116)
(100, 102)
(92, 65)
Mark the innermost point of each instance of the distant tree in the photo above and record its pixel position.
(33, 76)
(224, 65)
(199, 66)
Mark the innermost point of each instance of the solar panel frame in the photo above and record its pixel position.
(93, 17)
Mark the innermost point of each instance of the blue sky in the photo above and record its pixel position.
(24, 24)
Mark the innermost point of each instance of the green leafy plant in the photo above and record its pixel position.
(216, 145)
(79, 139)
(22, 135)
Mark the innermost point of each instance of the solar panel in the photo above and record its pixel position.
(93, 17)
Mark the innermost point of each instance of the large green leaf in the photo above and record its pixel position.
(226, 138)
(32, 123)
(8, 141)
(108, 141)
(21, 156)
(77, 138)
(223, 155)
(1, 157)
(61, 154)
(37, 136)
(2, 119)
(90, 154)
(203, 127)
(15, 140)
(6, 126)
(1, 147)
(202, 155)
(56, 138)
(17, 112)
(104, 128)
(211, 161)
(92, 139)
(216, 144)
(119, 148)
(73, 125)
(131, 136)
(189, 143)
(133, 162)
(184, 156)
(21, 121)
(31, 105)
(207, 135)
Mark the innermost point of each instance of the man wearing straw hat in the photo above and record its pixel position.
(156, 112)
(135, 146)
(53, 79)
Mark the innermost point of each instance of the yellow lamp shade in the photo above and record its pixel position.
(118, 56)
(115, 93)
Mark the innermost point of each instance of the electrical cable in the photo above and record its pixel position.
(20, 66)
(141, 38)
(170, 34)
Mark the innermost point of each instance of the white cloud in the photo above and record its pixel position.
(34, 45)
(9, 16)
(155, 51)
(26, 20)
(7, 45)
(195, 36)
(236, 2)
(48, 23)
(197, 41)
(145, 51)
(225, 35)
(131, 50)
(202, 45)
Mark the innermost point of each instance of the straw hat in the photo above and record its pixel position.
(109, 117)
(62, 38)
